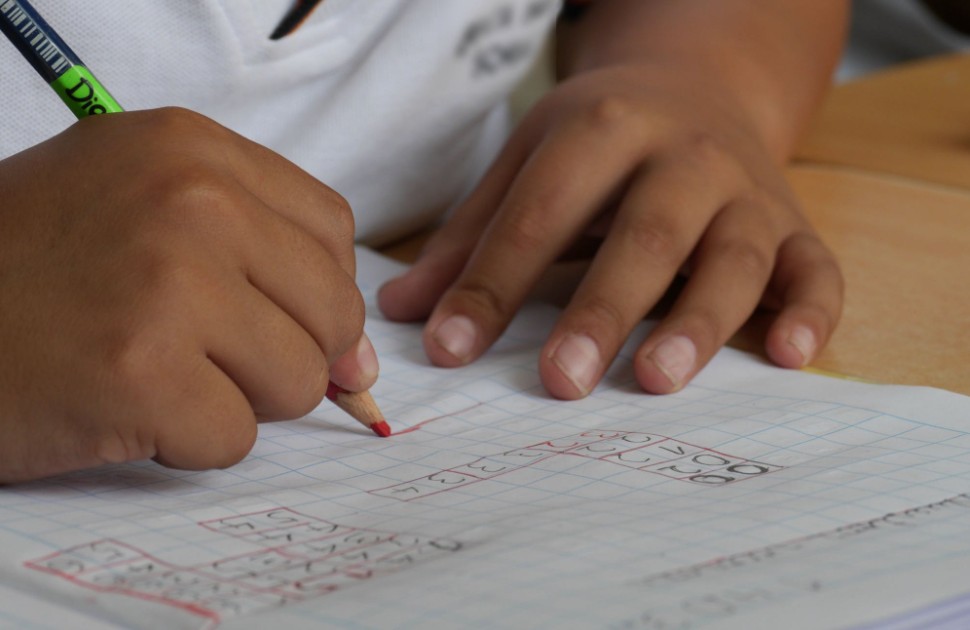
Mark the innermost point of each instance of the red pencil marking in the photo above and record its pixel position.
(328, 557)
(447, 415)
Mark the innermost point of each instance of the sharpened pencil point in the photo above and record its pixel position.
(362, 407)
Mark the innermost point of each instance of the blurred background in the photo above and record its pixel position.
(888, 32)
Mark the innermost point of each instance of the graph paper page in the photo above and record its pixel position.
(756, 497)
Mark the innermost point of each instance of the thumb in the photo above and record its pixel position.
(356, 370)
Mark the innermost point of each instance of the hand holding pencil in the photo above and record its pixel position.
(163, 296)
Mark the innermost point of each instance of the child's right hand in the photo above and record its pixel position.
(164, 284)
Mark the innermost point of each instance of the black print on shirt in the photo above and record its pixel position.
(504, 38)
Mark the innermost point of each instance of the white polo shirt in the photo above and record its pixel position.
(396, 104)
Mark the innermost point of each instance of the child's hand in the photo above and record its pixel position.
(676, 178)
(164, 284)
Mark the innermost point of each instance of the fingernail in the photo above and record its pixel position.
(803, 339)
(457, 336)
(367, 359)
(675, 357)
(578, 358)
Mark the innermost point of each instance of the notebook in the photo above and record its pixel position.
(756, 497)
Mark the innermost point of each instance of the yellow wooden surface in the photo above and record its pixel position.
(904, 248)
(912, 120)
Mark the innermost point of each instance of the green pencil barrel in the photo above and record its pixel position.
(84, 94)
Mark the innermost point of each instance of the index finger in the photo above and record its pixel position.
(559, 190)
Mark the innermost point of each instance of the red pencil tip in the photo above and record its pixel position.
(381, 428)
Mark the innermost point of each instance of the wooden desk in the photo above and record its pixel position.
(904, 248)
(912, 120)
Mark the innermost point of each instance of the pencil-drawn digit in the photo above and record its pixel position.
(235, 523)
(445, 545)
(65, 564)
(366, 538)
(713, 480)
(282, 516)
(748, 468)
(603, 435)
(396, 560)
(141, 567)
(108, 553)
(183, 578)
(676, 450)
(638, 438)
(526, 453)
(597, 449)
(268, 580)
(675, 468)
(710, 460)
(319, 569)
(635, 456)
(448, 478)
(273, 536)
(485, 469)
(324, 548)
(323, 527)
(107, 578)
(559, 446)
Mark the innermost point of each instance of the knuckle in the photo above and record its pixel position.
(169, 132)
(769, 202)
(657, 238)
(705, 150)
(613, 113)
(822, 257)
(166, 283)
(137, 349)
(168, 123)
(190, 187)
(131, 366)
(604, 314)
(831, 269)
(194, 197)
(341, 212)
(745, 256)
(478, 296)
(347, 327)
(304, 391)
(356, 311)
(705, 325)
(526, 230)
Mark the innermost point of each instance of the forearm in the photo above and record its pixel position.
(773, 58)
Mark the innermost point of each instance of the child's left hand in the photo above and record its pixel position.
(675, 178)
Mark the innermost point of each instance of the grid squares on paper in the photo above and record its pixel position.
(644, 452)
(297, 557)
(814, 464)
